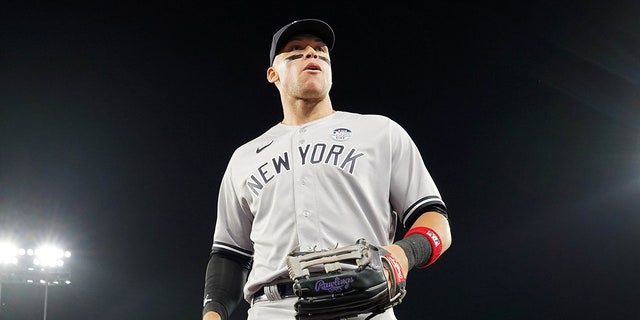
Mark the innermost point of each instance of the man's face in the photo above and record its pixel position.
(303, 68)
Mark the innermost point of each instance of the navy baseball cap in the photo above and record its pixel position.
(315, 27)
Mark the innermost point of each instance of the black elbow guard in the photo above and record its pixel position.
(224, 280)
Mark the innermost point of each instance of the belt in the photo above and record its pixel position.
(274, 292)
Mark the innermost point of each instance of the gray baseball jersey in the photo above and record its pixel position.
(324, 184)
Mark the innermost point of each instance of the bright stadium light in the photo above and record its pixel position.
(49, 256)
(8, 253)
(46, 265)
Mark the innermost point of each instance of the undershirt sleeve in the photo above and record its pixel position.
(225, 277)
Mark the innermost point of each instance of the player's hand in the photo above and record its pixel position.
(399, 254)
(211, 316)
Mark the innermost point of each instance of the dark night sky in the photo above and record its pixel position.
(117, 120)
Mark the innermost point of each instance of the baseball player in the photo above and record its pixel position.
(322, 178)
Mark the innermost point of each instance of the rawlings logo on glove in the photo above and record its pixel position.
(334, 286)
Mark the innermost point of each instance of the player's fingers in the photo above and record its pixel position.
(389, 281)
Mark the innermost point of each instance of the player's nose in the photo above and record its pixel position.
(310, 53)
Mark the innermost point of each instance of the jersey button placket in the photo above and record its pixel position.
(305, 199)
(301, 132)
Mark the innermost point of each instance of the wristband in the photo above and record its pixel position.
(398, 274)
(417, 248)
(434, 239)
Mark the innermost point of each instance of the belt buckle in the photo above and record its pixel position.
(260, 298)
(271, 293)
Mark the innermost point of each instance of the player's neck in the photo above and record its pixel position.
(301, 111)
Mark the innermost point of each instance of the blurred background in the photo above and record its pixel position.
(117, 120)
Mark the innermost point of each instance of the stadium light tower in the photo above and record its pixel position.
(46, 265)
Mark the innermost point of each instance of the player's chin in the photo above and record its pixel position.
(313, 94)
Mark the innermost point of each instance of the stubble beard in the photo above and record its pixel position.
(311, 91)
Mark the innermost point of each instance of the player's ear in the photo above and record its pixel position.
(272, 75)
